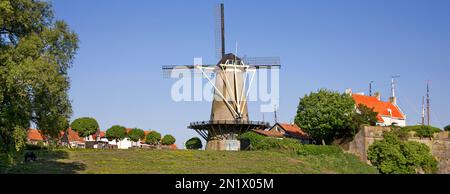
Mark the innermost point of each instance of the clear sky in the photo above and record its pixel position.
(117, 77)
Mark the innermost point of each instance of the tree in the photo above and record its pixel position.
(36, 52)
(153, 138)
(194, 143)
(136, 134)
(168, 140)
(394, 156)
(85, 126)
(363, 116)
(325, 115)
(447, 128)
(116, 132)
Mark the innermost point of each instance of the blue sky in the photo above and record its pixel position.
(117, 78)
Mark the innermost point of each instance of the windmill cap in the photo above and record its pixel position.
(229, 56)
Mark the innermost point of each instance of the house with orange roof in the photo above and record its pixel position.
(286, 130)
(34, 136)
(389, 113)
(70, 138)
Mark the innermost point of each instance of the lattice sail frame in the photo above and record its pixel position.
(246, 65)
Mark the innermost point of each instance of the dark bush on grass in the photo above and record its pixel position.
(38, 146)
(260, 142)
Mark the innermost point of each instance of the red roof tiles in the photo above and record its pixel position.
(293, 129)
(271, 133)
(383, 108)
(289, 130)
(35, 135)
(73, 136)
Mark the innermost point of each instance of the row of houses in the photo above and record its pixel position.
(389, 113)
(98, 140)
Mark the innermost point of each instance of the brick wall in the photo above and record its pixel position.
(439, 145)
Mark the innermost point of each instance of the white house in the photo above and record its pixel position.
(124, 143)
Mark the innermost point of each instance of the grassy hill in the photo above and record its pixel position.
(188, 161)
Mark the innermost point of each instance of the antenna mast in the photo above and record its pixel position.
(370, 88)
(222, 28)
(275, 113)
(428, 103)
(423, 111)
(393, 84)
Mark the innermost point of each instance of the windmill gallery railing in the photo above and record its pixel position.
(225, 129)
(229, 122)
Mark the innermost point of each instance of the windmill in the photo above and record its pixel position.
(229, 112)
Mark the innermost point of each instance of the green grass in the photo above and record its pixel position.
(188, 161)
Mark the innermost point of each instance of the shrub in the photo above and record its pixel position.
(394, 156)
(39, 146)
(85, 126)
(194, 143)
(153, 138)
(260, 142)
(401, 132)
(447, 128)
(423, 130)
(251, 136)
(168, 140)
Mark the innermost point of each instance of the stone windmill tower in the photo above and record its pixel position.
(229, 112)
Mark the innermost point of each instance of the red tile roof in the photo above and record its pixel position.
(379, 106)
(35, 135)
(290, 129)
(271, 133)
(72, 135)
(293, 129)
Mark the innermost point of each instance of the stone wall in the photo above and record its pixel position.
(439, 145)
(228, 145)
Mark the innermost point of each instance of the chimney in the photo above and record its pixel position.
(393, 100)
(378, 95)
(348, 91)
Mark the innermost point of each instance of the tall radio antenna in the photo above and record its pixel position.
(275, 113)
(428, 103)
(393, 84)
(423, 111)
(370, 88)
